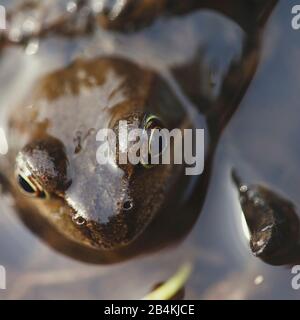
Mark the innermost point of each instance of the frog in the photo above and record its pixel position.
(112, 212)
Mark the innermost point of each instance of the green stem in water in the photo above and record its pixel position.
(169, 289)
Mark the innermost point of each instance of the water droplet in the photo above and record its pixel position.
(32, 47)
(243, 188)
(71, 6)
(258, 280)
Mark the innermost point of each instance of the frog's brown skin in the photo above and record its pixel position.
(131, 91)
(109, 90)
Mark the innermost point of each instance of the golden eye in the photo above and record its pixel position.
(152, 128)
(29, 187)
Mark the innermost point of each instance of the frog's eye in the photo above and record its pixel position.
(156, 145)
(31, 188)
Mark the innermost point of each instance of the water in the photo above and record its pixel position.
(260, 142)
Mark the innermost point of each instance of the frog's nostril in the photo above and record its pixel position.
(80, 221)
(128, 205)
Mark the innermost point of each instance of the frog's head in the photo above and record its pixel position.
(108, 205)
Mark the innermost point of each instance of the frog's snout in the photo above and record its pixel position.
(103, 208)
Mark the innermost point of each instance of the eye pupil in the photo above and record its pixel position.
(25, 185)
(29, 188)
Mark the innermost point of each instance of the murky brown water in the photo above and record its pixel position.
(260, 142)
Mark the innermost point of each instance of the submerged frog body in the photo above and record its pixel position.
(52, 131)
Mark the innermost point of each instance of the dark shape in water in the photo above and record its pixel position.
(273, 223)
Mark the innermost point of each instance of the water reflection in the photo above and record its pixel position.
(261, 143)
